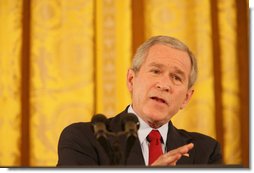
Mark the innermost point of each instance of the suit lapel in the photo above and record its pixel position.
(136, 156)
(175, 140)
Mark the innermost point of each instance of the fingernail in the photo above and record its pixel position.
(186, 155)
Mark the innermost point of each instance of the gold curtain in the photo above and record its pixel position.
(63, 61)
(62, 83)
(113, 55)
(10, 46)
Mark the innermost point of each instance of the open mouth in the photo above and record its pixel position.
(159, 100)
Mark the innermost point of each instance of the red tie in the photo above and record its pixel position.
(155, 149)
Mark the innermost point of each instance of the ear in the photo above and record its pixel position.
(130, 77)
(187, 98)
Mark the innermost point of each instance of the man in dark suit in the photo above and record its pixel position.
(160, 81)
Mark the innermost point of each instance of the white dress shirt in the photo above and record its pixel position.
(144, 130)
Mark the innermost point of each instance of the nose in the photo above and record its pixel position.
(164, 85)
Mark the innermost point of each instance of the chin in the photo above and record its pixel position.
(156, 115)
(158, 119)
(156, 124)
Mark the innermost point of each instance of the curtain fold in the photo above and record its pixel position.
(62, 68)
(230, 91)
(10, 94)
(113, 52)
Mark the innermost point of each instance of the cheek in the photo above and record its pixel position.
(180, 96)
(136, 89)
(139, 88)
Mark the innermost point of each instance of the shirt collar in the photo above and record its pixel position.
(145, 129)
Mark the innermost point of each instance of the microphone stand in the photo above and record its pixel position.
(116, 154)
(131, 139)
(114, 151)
(130, 125)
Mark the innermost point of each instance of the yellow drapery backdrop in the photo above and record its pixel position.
(78, 55)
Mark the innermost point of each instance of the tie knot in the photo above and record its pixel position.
(154, 135)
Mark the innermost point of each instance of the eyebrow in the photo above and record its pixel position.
(177, 70)
(162, 66)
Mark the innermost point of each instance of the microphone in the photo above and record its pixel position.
(99, 122)
(130, 125)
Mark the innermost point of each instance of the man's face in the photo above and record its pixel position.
(160, 88)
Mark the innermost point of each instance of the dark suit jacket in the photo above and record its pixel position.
(78, 146)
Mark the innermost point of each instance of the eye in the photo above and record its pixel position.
(155, 71)
(177, 79)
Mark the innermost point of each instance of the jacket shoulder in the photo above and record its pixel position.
(77, 145)
(76, 131)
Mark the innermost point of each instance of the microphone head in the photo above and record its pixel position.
(99, 118)
(130, 121)
(99, 122)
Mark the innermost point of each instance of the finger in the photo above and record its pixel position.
(185, 151)
(171, 157)
(182, 150)
(190, 146)
(164, 159)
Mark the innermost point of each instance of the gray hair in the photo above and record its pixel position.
(143, 49)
